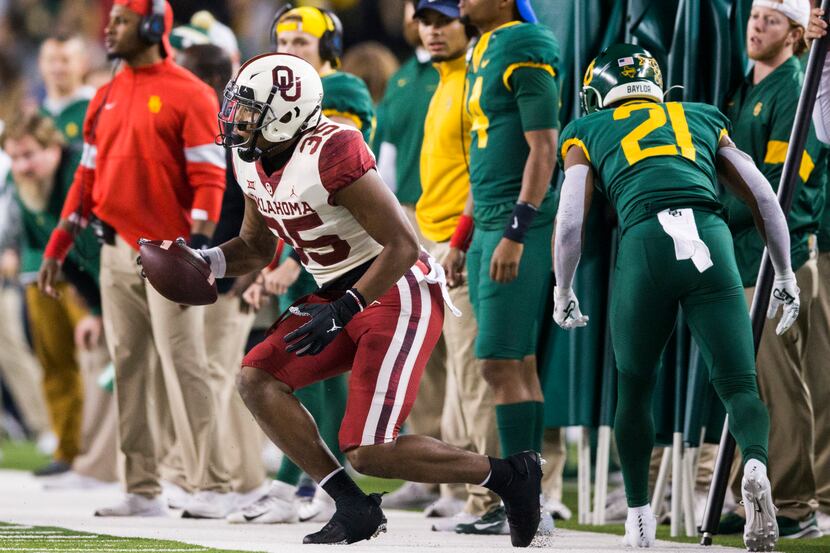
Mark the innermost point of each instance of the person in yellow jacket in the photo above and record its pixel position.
(468, 419)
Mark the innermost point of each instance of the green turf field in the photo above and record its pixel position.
(14, 537)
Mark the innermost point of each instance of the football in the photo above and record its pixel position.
(176, 272)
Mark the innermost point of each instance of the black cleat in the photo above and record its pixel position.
(521, 497)
(353, 520)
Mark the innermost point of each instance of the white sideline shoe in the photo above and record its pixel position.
(319, 509)
(177, 497)
(277, 506)
(448, 524)
(761, 529)
(444, 507)
(207, 504)
(135, 505)
(640, 527)
(412, 495)
(72, 480)
(557, 509)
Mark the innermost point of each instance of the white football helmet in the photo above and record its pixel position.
(276, 96)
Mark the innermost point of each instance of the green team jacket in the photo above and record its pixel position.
(345, 95)
(762, 118)
(401, 116)
(511, 89)
(651, 156)
(38, 226)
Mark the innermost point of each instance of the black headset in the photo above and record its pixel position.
(331, 43)
(151, 27)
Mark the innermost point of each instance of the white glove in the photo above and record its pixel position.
(566, 309)
(784, 292)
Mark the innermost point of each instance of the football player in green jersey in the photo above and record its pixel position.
(657, 163)
(513, 100)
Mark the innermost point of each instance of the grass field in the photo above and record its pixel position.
(14, 537)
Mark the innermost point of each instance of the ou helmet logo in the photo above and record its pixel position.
(287, 84)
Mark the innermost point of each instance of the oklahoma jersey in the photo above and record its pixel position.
(297, 201)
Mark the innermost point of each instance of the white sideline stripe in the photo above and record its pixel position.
(206, 153)
(45, 535)
(412, 356)
(373, 418)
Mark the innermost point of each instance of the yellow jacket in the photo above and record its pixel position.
(445, 179)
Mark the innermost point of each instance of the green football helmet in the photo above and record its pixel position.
(621, 72)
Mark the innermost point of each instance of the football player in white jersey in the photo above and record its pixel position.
(378, 312)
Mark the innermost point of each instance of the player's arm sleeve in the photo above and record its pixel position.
(754, 189)
(537, 95)
(778, 143)
(345, 157)
(78, 204)
(821, 111)
(205, 159)
(570, 218)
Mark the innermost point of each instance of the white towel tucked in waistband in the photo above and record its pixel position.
(680, 225)
(436, 275)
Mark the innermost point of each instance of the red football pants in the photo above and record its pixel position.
(386, 346)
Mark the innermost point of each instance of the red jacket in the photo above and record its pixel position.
(150, 165)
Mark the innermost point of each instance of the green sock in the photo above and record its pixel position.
(539, 428)
(516, 423)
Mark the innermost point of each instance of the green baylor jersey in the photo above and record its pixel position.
(651, 156)
(509, 65)
(345, 95)
(762, 118)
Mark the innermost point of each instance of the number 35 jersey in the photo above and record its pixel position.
(650, 156)
(297, 201)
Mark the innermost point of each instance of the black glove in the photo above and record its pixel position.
(327, 320)
(199, 241)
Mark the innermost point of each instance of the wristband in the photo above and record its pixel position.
(520, 221)
(199, 241)
(216, 259)
(60, 242)
(358, 298)
(463, 234)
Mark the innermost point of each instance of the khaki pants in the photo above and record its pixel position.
(145, 333)
(554, 452)
(783, 383)
(52, 322)
(818, 380)
(226, 332)
(19, 370)
(99, 446)
(468, 415)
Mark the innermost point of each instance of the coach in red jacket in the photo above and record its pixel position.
(150, 169)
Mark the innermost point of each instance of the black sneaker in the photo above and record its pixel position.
(521, 497)
(53, 469)
(353, 520)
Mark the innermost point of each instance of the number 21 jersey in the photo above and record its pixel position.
(297, 201)
(651, 156)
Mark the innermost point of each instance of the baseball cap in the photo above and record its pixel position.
(304, 19)
(797, 10)
(526, 11)
(448, 8)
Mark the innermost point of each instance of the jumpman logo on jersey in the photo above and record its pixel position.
(334, 327)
